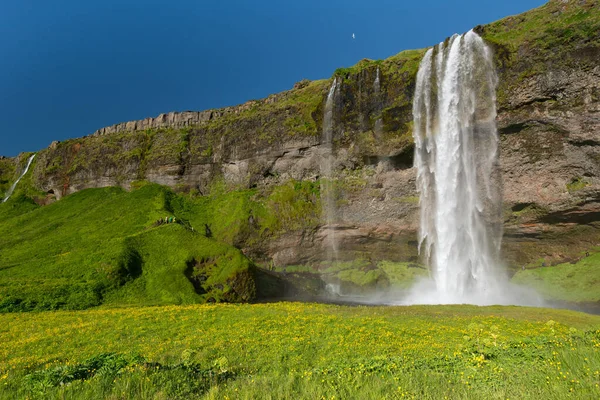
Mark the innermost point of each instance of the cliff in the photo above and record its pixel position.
(548, 117)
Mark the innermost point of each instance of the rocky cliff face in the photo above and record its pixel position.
(549, 121)
(549, 124)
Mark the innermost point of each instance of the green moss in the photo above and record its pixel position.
(293, 206)
(548, 37)
(207, 152)
(577, 183)
(402, 274)
(362, 274)
(291, 113)
(364, 64)
(352, 181)
(249, 216)
(404, 64)
(551, 26)
(525, 212)
(362, 278)
(54, 165)
(576, 281)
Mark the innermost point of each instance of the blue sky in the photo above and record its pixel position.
(70, 67)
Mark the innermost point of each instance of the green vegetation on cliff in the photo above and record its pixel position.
(556, 35)
(245, 216)
(7, 172)
(557, 25)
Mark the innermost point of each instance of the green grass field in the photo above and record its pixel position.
(577, 282)
(300, 351)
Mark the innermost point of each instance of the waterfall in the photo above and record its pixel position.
(378, 123)
(14, 185)
(327, 185)
(458, 175)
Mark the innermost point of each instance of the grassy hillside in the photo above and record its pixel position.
(7, 172)
(102, 245)
(301, 351)
(559, 34)
(577, 282)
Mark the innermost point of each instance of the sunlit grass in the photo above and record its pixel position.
(570, 282)
(294, 350)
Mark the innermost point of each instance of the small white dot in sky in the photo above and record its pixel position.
(353, 36)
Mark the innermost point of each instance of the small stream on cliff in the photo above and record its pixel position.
(14, 185)
(378, 128)
(327, 179)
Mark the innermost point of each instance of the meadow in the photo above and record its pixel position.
(300, 351)
(575, 282)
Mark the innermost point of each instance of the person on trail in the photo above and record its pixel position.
(166, 220)
(207, 231)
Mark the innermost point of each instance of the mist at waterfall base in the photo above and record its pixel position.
(459, 182)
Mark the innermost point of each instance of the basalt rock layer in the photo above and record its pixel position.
(548, 117)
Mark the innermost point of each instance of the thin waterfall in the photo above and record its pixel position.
(327, 180)
(14, 185)
(458, 175)
(378, 129)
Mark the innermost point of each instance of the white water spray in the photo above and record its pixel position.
(327, 187)
(14, 185)
(458, 177)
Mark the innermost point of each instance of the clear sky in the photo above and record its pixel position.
(69, 67)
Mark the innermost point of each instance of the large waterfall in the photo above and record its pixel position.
(458, 175)
(14, 185)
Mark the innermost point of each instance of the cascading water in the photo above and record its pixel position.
(458, 176)
(14, 185)
(378, 123)
(327, 188)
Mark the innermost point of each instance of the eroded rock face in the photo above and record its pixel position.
(550, 141)
(548, 119)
